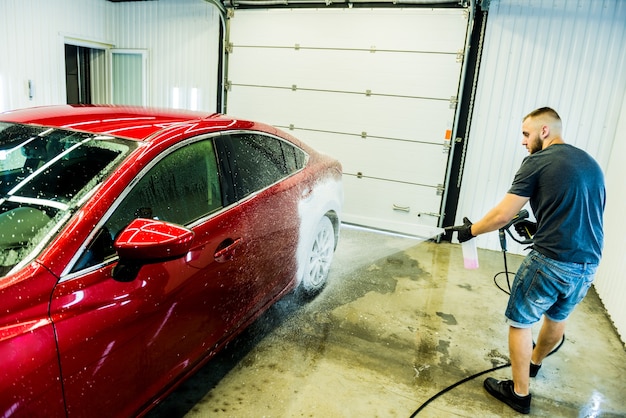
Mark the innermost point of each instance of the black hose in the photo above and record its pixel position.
(506, 272)
(467, 379)
(460, 382)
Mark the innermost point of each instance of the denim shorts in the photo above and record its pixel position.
(544, 286)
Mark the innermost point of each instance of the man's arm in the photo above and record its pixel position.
(500, 215)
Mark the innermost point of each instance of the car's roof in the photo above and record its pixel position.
(124, 121)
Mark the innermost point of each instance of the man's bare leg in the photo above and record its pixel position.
(520, 350)
(549, 336)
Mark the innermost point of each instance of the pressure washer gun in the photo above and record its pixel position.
(525, 229)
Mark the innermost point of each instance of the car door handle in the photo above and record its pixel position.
(306, 193)
(226, 250)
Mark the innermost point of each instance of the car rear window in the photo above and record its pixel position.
(260, 160)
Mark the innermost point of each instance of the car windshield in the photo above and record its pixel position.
(45, 175)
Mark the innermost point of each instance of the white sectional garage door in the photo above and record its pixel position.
(375, 88)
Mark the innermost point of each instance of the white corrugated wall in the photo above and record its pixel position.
(180, 36)
(32, 46)
(611, 281)
(570, 55)
(182, 39)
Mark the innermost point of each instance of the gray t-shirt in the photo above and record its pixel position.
(567, 195)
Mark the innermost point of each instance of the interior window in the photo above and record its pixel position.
(181, 188)
(260, 161)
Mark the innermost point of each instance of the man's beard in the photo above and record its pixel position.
(535, 146)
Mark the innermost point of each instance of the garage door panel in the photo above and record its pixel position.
(377, 116)
(406, 74)
(384, 159)
(436, 30)
(374, 87)
(400, 207)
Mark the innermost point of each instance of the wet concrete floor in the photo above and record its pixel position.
(399, 322)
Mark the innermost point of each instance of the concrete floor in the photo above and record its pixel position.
(399, 322)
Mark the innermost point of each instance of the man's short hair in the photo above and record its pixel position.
(544, 111)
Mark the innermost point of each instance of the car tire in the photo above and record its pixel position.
(319, 258)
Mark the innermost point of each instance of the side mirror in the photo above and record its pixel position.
(146, 240)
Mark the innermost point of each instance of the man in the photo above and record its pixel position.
(565, 187)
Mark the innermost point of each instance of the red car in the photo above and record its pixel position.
(135, 243)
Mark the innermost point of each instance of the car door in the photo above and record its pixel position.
(122, 341)
(29, 376)
(266, 180)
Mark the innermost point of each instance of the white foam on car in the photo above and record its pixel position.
(327, 195)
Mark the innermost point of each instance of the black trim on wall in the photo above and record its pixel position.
(220, 68)
(450, 206)
(342, 4)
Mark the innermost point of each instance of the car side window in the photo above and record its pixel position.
(261, 160)
(181, 188)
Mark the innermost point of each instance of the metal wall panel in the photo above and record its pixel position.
(567, 55)
(181, 37)
(32, 36)
(610, 283)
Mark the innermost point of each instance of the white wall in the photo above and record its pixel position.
(567, 55)
(32, 46)
(180, 36)
(570, 56)
(610, 282)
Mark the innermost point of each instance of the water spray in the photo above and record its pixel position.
(387, 243)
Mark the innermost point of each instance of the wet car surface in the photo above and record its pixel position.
(135, 243)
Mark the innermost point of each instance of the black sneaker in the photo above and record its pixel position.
(503, 391)
(534, 369)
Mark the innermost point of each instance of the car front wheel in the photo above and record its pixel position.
(319, 258)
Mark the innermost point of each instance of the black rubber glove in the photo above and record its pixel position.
(526, 229)
(464, 231)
